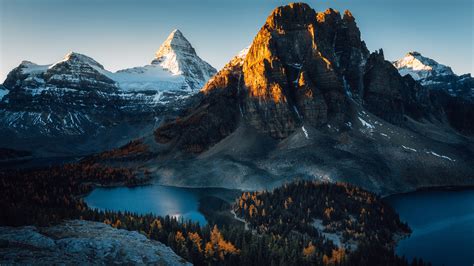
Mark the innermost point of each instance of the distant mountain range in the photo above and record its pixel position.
(77, 97)
(308, 100)
(305, 100)
(452, 94)
(435, 76)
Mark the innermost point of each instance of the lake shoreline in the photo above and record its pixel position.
(150, 182)
(431, 188)
(111, 185)
(436, 215)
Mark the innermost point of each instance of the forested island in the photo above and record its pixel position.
(306, 222)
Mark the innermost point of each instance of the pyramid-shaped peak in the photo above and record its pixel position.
(176, 33)
(414, 57)
(175, 42)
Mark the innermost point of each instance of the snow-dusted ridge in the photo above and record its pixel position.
(435, 76)
(77, 94)
(176, 66)
(421, 67)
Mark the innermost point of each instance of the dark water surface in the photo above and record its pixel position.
(442, 221)
(442, 224)
(182, 203)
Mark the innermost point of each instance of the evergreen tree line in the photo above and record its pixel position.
(48, 196)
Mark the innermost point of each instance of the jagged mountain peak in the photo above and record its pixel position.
(175, 43)
(348, 14)
(435, 76)
(171, 53)
(292, 74)
(294, 15)
(178, 56)
(309, 83)
(420, 67)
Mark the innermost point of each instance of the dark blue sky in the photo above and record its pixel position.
(126, 33)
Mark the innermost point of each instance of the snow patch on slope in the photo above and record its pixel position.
(440, 156)
(3, 92)
(305, 132)
(366, 124)
(150, 77)
(408, 148)
(28, 67)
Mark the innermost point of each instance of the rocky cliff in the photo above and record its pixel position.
(82, 242)
(308, 100)
(302, 67)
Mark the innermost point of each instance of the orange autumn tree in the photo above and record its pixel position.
(181, 243)
(337, 257)
(310, 251)
(196, 240)
(217, 248)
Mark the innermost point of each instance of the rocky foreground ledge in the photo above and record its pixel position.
(81, 242)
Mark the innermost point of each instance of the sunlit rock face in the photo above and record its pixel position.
(286, 76)
(302, 67)
(307, 100)
(215, 115)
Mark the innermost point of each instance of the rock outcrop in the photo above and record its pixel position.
(82, 242)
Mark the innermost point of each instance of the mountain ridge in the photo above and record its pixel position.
(308, 101)
(53, 101)
(452, 93)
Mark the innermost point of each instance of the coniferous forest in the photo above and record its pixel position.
(278, 228)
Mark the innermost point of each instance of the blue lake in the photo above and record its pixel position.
(182, 203)
(442, 224)
(442, 221)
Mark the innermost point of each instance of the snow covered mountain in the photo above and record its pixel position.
(178, 56)
(452, 93)
(434, 75)
(176, 66)
(420, 67)
(77, 96)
